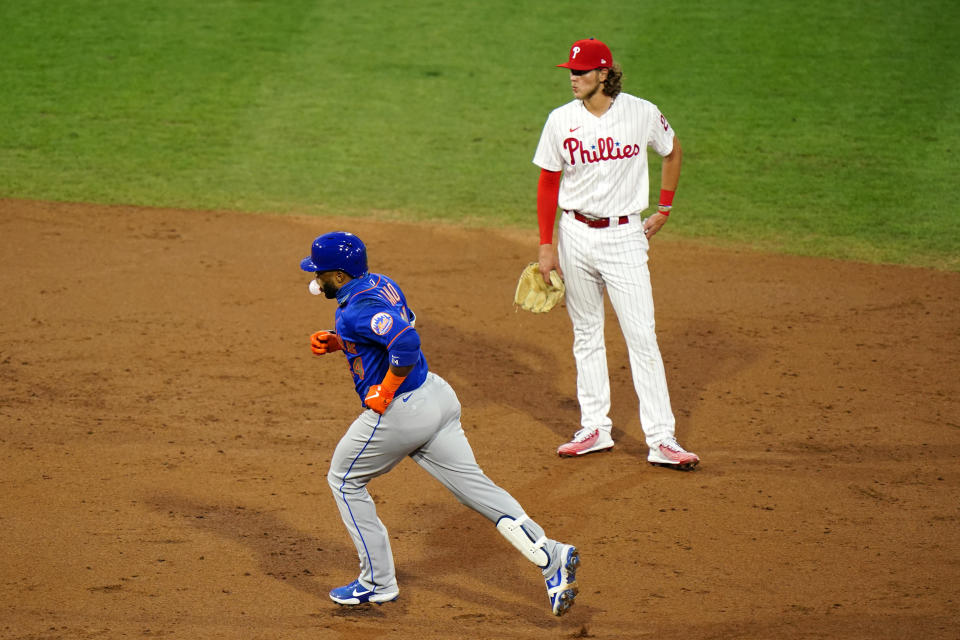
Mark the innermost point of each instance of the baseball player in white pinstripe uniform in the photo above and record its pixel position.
(593, 159)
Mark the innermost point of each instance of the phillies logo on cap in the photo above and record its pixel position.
(589, 54)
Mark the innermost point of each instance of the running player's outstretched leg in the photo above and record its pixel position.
(448, 457)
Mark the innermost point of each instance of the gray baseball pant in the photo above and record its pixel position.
(425, 425)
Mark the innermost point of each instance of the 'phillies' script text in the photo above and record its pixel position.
(605, 149)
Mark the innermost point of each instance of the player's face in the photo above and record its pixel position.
(329, 283)
(586, 84)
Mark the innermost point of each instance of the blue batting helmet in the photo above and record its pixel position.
(337, 251)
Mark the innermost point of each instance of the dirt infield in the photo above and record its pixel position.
(165, 434)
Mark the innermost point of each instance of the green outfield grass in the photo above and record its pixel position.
(818, 128)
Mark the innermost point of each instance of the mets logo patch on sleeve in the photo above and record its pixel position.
(381, 323)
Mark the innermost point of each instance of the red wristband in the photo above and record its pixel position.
(666, 202)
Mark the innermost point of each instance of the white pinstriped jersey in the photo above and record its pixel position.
(604, 160)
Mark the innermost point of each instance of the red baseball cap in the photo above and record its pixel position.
(589, 54)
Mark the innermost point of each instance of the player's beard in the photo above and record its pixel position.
(329, 290)
(589, 96)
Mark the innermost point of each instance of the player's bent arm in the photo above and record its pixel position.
(669, 179)
(670, 171)
(401, 372)
(379, 396)
(393, 379)
(404, 347)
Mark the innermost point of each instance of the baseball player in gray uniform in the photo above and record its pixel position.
(597, 144)
(407, 411)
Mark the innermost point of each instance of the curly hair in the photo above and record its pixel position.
(611, 86)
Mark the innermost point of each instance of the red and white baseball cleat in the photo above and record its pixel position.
(586, 441)
(668, 453)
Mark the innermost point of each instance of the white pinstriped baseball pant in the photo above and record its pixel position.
(614, 258)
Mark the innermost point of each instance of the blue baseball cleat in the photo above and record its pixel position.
(562, 586)
(356, 593)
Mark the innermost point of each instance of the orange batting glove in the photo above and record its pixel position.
(323, 342)
(379, 396)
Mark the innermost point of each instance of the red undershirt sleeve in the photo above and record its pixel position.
(548, 193)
